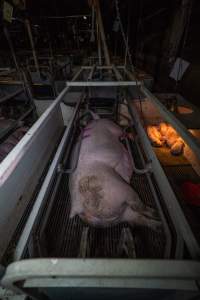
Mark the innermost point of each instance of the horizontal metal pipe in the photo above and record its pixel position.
(101, 83)
(11, 95)
(102, 67)
(65, 17)
(99, 271)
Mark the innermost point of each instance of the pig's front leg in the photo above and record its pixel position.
(124, 168)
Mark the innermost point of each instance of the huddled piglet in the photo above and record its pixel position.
(166, 134)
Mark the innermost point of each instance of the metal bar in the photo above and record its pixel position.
(25, 114)
(100, 83)
(28, 87)
(102, 67)
(99, 47)
(168, 195)
(91, 72)
(183, 275)
(162, 216)
(19, 149)
(7, 72)
(75, 159)
(52, 197)
(10, 82)
(5, 69)
(129, 74)
(161, 10)
(169, 117)
(15, 124)
(2, 271)
(12, 95)
(117, 73)
(146, 169)
(44, 189)
(28, 27)
(83, 243)
(6, 32)
(126, 244)
(102, 32)
(77, 74)
(65, 17)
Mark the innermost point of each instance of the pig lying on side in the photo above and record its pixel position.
(99, 187)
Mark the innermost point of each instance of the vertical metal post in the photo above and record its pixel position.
(99, 46)
(28, 27)
(102, 33)
(6, 32)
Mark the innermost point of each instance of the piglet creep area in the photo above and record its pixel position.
(59, 236)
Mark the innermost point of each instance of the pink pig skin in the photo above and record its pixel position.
(99, 187)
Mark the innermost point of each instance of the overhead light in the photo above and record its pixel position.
(84, 17)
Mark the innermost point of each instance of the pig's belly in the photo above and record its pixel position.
(113, 154)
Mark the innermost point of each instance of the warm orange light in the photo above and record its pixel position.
(183, 110)
(166, 134)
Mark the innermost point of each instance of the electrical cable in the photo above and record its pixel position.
(128, 53)
(138, 32)
(123, 34)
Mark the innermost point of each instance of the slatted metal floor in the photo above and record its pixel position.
(65, 237)
(56, 235)
(177, 176)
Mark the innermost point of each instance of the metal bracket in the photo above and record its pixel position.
(148, 166)
(61, 169)
(126, 243)
(83, 244)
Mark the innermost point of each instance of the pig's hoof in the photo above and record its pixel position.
(151, 213)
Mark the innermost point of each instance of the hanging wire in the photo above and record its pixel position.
(92, 37)
(125, 38)
(127, 35)
(138, 31)
(123, 34)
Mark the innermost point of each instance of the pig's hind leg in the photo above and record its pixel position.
(141, 219)
(135, 204)
(150, 213)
